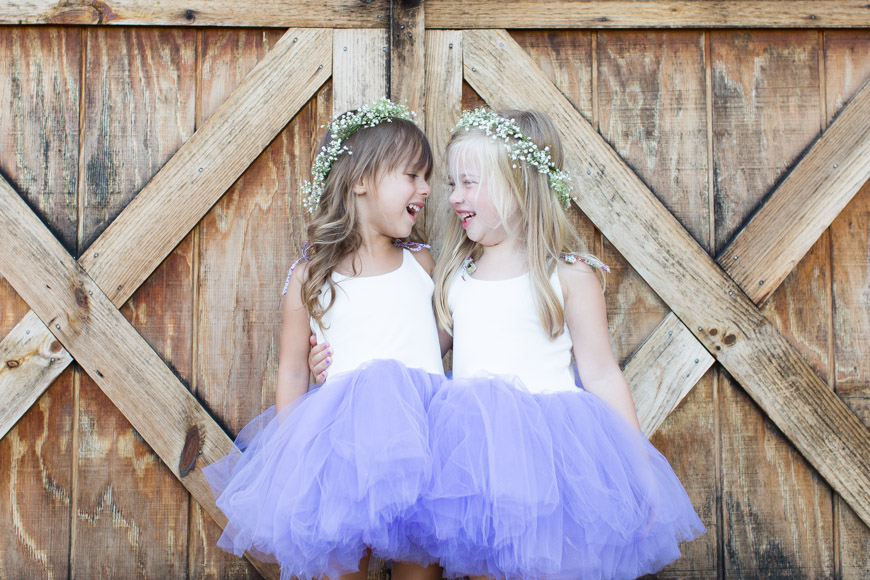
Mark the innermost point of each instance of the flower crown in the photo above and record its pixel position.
(519, 147)
(342, 127)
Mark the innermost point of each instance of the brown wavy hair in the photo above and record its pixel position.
(333, 233)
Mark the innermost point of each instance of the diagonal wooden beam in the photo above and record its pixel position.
(174, 201)
(764, 252)
(804, 205)
(112, 352)
(728, 324)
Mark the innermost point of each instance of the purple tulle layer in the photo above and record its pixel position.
(340, 470)
(547, 486)
(478, 474)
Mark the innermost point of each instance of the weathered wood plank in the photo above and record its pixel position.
(455, 14)
(28, 355)
(658, 14)
(261, 14)
(810, 197)
(107, 346)
(408, 56)
(847, 67)
(179, 195)
(777, 514)
(652, 112)
(443, 107)
(209, 162)
(822, 428)
(245, 247)
(40, 72)
(131, 513)
(359, 60)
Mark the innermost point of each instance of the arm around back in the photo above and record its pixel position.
(295, 330)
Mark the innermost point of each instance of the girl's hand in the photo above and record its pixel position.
(319, 359)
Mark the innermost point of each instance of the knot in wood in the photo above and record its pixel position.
(81, 297)
(189, 452)
(729, 339)
(13, 364)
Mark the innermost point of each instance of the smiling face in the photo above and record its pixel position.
(390, 205)
(478, 195)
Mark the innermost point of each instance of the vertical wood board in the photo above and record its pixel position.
(847, 68)
(40, 71)
(777, 511)
(139, 109)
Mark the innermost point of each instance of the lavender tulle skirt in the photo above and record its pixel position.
(477, 474)
(340, 470)
(547, 486)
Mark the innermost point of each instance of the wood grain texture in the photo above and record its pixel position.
(243, 249)
(814, 193)
(670, 356)
(822, 428)
(29, 354)
(359, 61)
(39, 89)
(40, 73)
(652, 112)
(105, 344)
(777, 514)
(408, 56)
(847, 67)
(179, 195)
(175, 199)
(131, 513)
(657, 14)
(263, 13)
(443, 107)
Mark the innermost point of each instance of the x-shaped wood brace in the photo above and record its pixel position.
(80, 301)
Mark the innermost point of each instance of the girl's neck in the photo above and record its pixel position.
(376, 255)
(502, 261)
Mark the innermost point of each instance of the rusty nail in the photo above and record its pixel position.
(761, 282)
(699, 328)
(697, 361)
(670, 333)
(410, 35)
(402, 27)
(735, 257)
(380, 15)
(450, 45)
(26, 332)
(57, 326)
(345, 49)
(319, 67)
(384, 49)
(52, 359)
(588, 172)
(501, 44)
(295, 39)
(96, 254)
(119, 286)
(730, 293)
(473, 69)
(200, 169)
(835, 165)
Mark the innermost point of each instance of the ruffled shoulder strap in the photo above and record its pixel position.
(411, 246)
(589, 259)
(305, 257)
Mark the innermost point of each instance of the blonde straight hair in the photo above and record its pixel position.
(333, 234)
(541, 219)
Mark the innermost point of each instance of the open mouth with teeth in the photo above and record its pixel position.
(466, 218)
(413, 209)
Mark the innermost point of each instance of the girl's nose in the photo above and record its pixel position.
(425, 188)
(454, 196)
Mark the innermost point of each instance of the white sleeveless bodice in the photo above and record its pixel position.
(388, 316)
(496, 330)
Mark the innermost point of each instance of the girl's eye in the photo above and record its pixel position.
(412, 175)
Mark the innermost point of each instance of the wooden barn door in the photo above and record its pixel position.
(148, 215)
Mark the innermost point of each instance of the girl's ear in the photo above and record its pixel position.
(359, 188)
